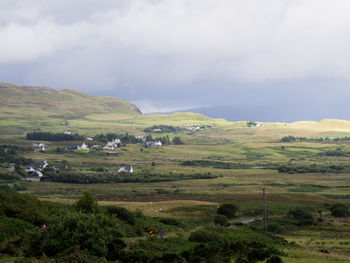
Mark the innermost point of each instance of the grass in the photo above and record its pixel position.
(252, 154)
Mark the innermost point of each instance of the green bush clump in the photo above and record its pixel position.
(204, 236)
(220, 220)
(339, 210)
(274, 259)
(87, 203)
(170, 221)
(26, 207)
(69, 229)
(228, 210)
(12, 226)
(121, 213)
(302, 217)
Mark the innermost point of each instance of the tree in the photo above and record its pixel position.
(99, 234)
(228, 210)
(302, 217)
(87, 203)
(274, 259)
(177, 141)
(251, 123)
(339, 210)
(220, 220)
(121, 213)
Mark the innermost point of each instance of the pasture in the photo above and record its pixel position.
(240, 161)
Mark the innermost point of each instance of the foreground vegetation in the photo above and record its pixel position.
(87, 232)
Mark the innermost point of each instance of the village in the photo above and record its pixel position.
(35, 171)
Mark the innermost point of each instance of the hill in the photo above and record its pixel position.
(17, 101)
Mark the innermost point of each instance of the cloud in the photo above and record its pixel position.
(189, 51)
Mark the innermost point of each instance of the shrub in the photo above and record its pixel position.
(12, 226)
(170, 221)
(302, 217)
(95, 233)
(274, 259)
(87, 203)
(220, 220)
(122, 214)
(204, 236)
(339, 210)
(177, 141)
(228, 210)
(163, 191)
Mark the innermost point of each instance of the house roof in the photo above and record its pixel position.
(39, 164)
(72, 146)
(28, 166)
(38, 173)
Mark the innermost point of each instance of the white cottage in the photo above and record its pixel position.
(126, 169)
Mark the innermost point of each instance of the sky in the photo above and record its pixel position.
(272, 60)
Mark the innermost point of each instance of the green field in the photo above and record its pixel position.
(238, 160)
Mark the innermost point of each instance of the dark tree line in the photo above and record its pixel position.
(320, 139)
(57, 137)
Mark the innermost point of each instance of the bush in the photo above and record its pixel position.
(177, 141)
(87, 203)
(274, 259)
(228, 210)
(170, 221)
(25, 207)
(339, 210)
(95, 233)
(12, 226)
(302, 217)
(220, 220)
(204, 236)
(122, 214)
(163, 191)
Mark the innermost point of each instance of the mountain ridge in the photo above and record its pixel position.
(21, 101)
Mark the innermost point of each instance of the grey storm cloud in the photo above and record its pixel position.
(174, 54)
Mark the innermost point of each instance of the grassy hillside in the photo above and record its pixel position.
(223, 162)
(36, 102)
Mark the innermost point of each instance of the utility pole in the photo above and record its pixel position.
(68, 192)
(265, 216)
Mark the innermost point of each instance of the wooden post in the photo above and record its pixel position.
(265, 216)
(68, 192)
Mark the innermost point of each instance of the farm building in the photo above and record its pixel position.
(126, 169)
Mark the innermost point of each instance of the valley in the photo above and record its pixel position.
(304, 166)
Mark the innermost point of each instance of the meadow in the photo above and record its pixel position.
(240, 160)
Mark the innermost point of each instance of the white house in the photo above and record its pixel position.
(29, 168)
(112, 144)
(89, 139)
(67, 132)
(40, 164)
(157, 143)
(125, 169)
(84, 146)
(153, 143)
(39, 146)
(38, 174)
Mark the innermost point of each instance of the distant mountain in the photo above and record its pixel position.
(273, 113)
(17, 101)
